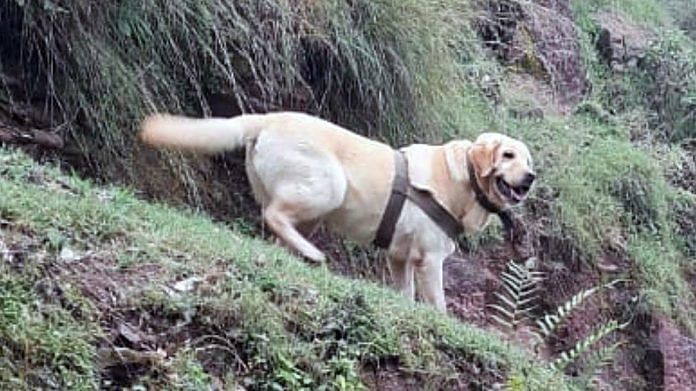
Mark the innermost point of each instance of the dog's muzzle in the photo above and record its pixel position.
(515, 193)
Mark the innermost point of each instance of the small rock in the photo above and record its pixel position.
(108, 357)
(188, 284)
(68, 255)
(607, 267)
(129, 333)
(531, 263)
(678, 358)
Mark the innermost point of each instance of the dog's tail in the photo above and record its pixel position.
(206, 135)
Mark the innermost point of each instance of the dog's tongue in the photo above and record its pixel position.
(515, 195)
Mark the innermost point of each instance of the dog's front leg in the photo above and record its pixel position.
(402, 274)
(429, 279)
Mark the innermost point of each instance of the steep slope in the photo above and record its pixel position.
(603, 91)
(101, 289)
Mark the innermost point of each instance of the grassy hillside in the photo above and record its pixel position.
(82, 262)
(614, 149)
(337, 58)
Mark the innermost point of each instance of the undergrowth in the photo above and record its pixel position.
(368, 65)
(613, 192)
(607, 195)
(269, 320)
(663, 85)
(515, 313)
(41, 342)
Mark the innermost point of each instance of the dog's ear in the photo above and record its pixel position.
(483, 155)
(455, 155)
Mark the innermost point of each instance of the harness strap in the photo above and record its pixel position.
(441, 216)
(400, 186)
(481, 197)
(402, 189)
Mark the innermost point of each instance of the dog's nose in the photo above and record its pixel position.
(529, 178)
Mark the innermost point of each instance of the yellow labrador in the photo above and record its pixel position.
(305, 171)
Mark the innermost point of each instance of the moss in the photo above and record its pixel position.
(41, 342)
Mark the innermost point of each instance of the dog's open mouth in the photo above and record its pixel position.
(513, 194)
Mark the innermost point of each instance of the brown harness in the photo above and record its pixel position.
(403, 189)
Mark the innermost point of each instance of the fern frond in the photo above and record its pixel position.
(511, 303)
(515, 303)
(509, 290)
(596, 361)
(510, 315)
(521, 303)
(548, 323)
(511, 281)
(501, 321)
(584, 345)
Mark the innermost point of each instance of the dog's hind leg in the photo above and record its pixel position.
(303, 185)
(282, 219)
(305, 229)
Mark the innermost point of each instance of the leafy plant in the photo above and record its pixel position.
(584, 344)
(548, 323)
(595, 362)
(517, 301)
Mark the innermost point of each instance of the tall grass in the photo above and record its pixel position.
(394, 70)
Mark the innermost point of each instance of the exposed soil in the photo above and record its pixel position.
(538, 38)
(621, 43)
(679, 356)
(471, 283)
(683, 174)
(388, 378)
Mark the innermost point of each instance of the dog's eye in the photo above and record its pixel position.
(508, 155)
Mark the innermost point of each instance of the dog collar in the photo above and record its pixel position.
(481, 197)
(486, 203)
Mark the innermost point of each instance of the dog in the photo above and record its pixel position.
(305, 171)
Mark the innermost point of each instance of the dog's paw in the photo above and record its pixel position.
(317, 258)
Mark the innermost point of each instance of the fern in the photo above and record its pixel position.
(516, 303)
(549, 322)
(520, 287)
(584, 345)
(596, 361)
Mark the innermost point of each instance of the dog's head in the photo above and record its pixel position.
(503, 166)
